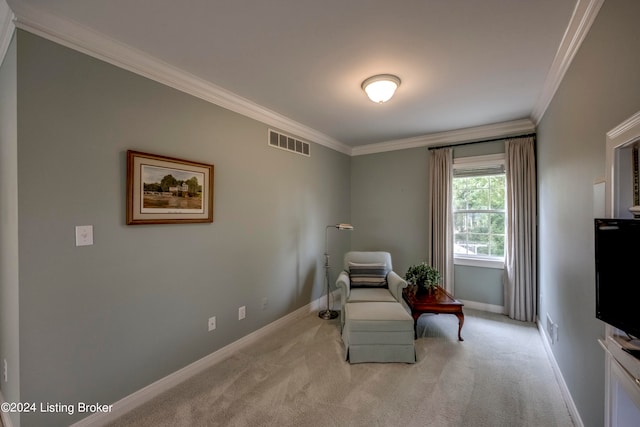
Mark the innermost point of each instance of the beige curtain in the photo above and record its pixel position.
(441, 215)
(521, 293)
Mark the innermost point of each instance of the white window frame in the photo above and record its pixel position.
(478, 162)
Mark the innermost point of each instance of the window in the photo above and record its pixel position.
(479, 208)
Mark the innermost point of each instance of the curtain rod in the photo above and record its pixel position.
(434, 147)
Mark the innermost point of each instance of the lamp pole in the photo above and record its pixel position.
(328, 314)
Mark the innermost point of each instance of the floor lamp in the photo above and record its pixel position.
(328, 313)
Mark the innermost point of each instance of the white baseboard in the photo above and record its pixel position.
(153, 390)
(4, 416)
(566, 394)
(492, 308)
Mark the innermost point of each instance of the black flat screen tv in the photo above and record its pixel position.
(617, 256)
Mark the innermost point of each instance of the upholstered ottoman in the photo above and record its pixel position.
(378, 332)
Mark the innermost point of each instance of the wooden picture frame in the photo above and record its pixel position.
(166, 190)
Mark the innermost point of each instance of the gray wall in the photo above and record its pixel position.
(389, 205)
(102, 321)
(9, 325)
(600, 90)
(479, 284)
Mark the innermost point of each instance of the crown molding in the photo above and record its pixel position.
(98, 45)
(477, 133)
(625, 131)
(6, 28)
(583, 16)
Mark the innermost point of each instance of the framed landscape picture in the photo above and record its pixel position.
(166, 190)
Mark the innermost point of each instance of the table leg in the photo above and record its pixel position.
(460, 317)
(415, 316)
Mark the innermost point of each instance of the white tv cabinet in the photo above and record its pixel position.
(622, 377)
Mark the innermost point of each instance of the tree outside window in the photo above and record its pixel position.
(479, 215)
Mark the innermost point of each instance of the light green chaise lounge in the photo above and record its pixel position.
(375, 325)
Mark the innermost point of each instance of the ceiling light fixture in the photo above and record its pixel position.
(381, 88)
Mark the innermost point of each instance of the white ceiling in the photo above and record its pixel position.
(463, 63)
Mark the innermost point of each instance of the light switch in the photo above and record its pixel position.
(84, 235)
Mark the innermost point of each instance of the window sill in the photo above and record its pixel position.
(479, 262)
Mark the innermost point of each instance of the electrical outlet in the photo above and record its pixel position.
(242, 312)
(212, 323)
(551, 329)
(265, 302)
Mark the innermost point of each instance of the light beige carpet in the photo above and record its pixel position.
(499, 376)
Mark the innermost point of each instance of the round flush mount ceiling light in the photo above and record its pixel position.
(381, 88)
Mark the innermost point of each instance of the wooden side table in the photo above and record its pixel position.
(439, 301)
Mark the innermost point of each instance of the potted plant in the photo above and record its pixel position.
(424, 276)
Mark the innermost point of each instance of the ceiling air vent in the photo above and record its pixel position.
(289, 143)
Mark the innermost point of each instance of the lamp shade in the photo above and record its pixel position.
(381, 88)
